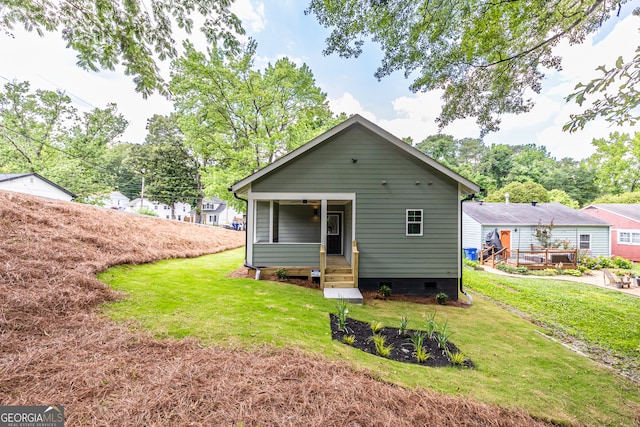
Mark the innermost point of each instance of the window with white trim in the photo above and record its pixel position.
(629, 237)
(414, 222)
(585, 241)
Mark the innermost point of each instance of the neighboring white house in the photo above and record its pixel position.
(34, 184)
(217, 212)
(516, 224)
(182, 210)
(115, 200)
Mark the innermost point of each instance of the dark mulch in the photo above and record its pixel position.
(373, 295)
(402, 346)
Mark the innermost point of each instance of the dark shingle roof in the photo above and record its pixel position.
(629, 211)
(527, 214)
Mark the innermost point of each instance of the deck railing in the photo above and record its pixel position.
(323, 264)
(355, 259)
(537, 258)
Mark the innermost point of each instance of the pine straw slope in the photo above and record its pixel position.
(54, 349)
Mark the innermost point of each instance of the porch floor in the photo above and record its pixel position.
(337, 261)
(350, 295)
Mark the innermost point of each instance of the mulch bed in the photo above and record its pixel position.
(402, 348)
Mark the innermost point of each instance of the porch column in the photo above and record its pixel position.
(251, 205)
(323, 222)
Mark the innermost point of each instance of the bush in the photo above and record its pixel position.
(384, 291)
(281, 273)
(620, 262)
(441, 297)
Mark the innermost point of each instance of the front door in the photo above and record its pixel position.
(505, 239)
(334, 233)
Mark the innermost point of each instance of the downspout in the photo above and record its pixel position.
(246, 237)
(467, 198)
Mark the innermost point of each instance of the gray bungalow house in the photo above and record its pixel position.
(361, 209)
(516, 223)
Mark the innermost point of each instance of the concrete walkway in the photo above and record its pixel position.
(596, 278)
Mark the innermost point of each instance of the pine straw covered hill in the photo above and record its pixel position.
(55, 349)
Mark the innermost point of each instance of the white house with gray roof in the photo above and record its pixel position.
(35, 185)
(516, 224)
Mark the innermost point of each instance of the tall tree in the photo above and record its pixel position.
(497, 162)
(443, 148)
(171, 173)
(530, 163)
(520, 192)
(31, 125)
(239, 119)
(485, 55)
(108, 33)
(617, 162)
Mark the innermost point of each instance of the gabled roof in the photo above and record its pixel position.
(527, 214)
(625, 210)
(5, 177)
(468, 187)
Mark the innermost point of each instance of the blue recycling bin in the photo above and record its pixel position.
(471, 253)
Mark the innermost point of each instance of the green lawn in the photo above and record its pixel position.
(515, 364)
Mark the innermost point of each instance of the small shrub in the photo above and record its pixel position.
(281, 273)
(404, 322)
(376, 326)
(470, 263)
(458, 358)
(147, 211)
(441, 297)
(431, 326)
(343, 310)
(572, 272)
(443, 336)
(348, 339)
(620, 262)
(384, 291)
(381, 348)
(417, 339)
(522, 270)
(422, 355)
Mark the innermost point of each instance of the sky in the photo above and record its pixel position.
(281, 29)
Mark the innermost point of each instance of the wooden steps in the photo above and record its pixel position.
(338, 277)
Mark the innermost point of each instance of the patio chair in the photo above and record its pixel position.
(618, 281)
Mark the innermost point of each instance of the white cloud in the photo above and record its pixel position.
(349, 105)
(252, 17)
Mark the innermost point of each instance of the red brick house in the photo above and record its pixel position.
(625, 227)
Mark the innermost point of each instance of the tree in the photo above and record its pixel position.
(238, 119)
(30, 126)
(171, 173)
(577, 179)
(630, 198)
(617, 106)
(520, 192)
(496, 163)
(40, 132)
(442, 148)
(530, 163)
(484, 55)
(112, 32)
(617, 163)
(560, 196)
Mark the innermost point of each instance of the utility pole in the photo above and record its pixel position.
(142, 194)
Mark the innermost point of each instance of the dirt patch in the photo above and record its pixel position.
(54, 348)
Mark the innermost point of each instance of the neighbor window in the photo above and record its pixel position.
(585, 241)
(629, 237)
(414, 222)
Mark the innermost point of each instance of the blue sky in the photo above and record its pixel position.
(282, 29)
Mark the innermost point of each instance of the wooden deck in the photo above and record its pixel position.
(538, 259)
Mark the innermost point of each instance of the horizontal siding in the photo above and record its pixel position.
(285, 254)
(385, 251)
(524, 237)
(262, 221)
(297, 224)
(471, 233)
